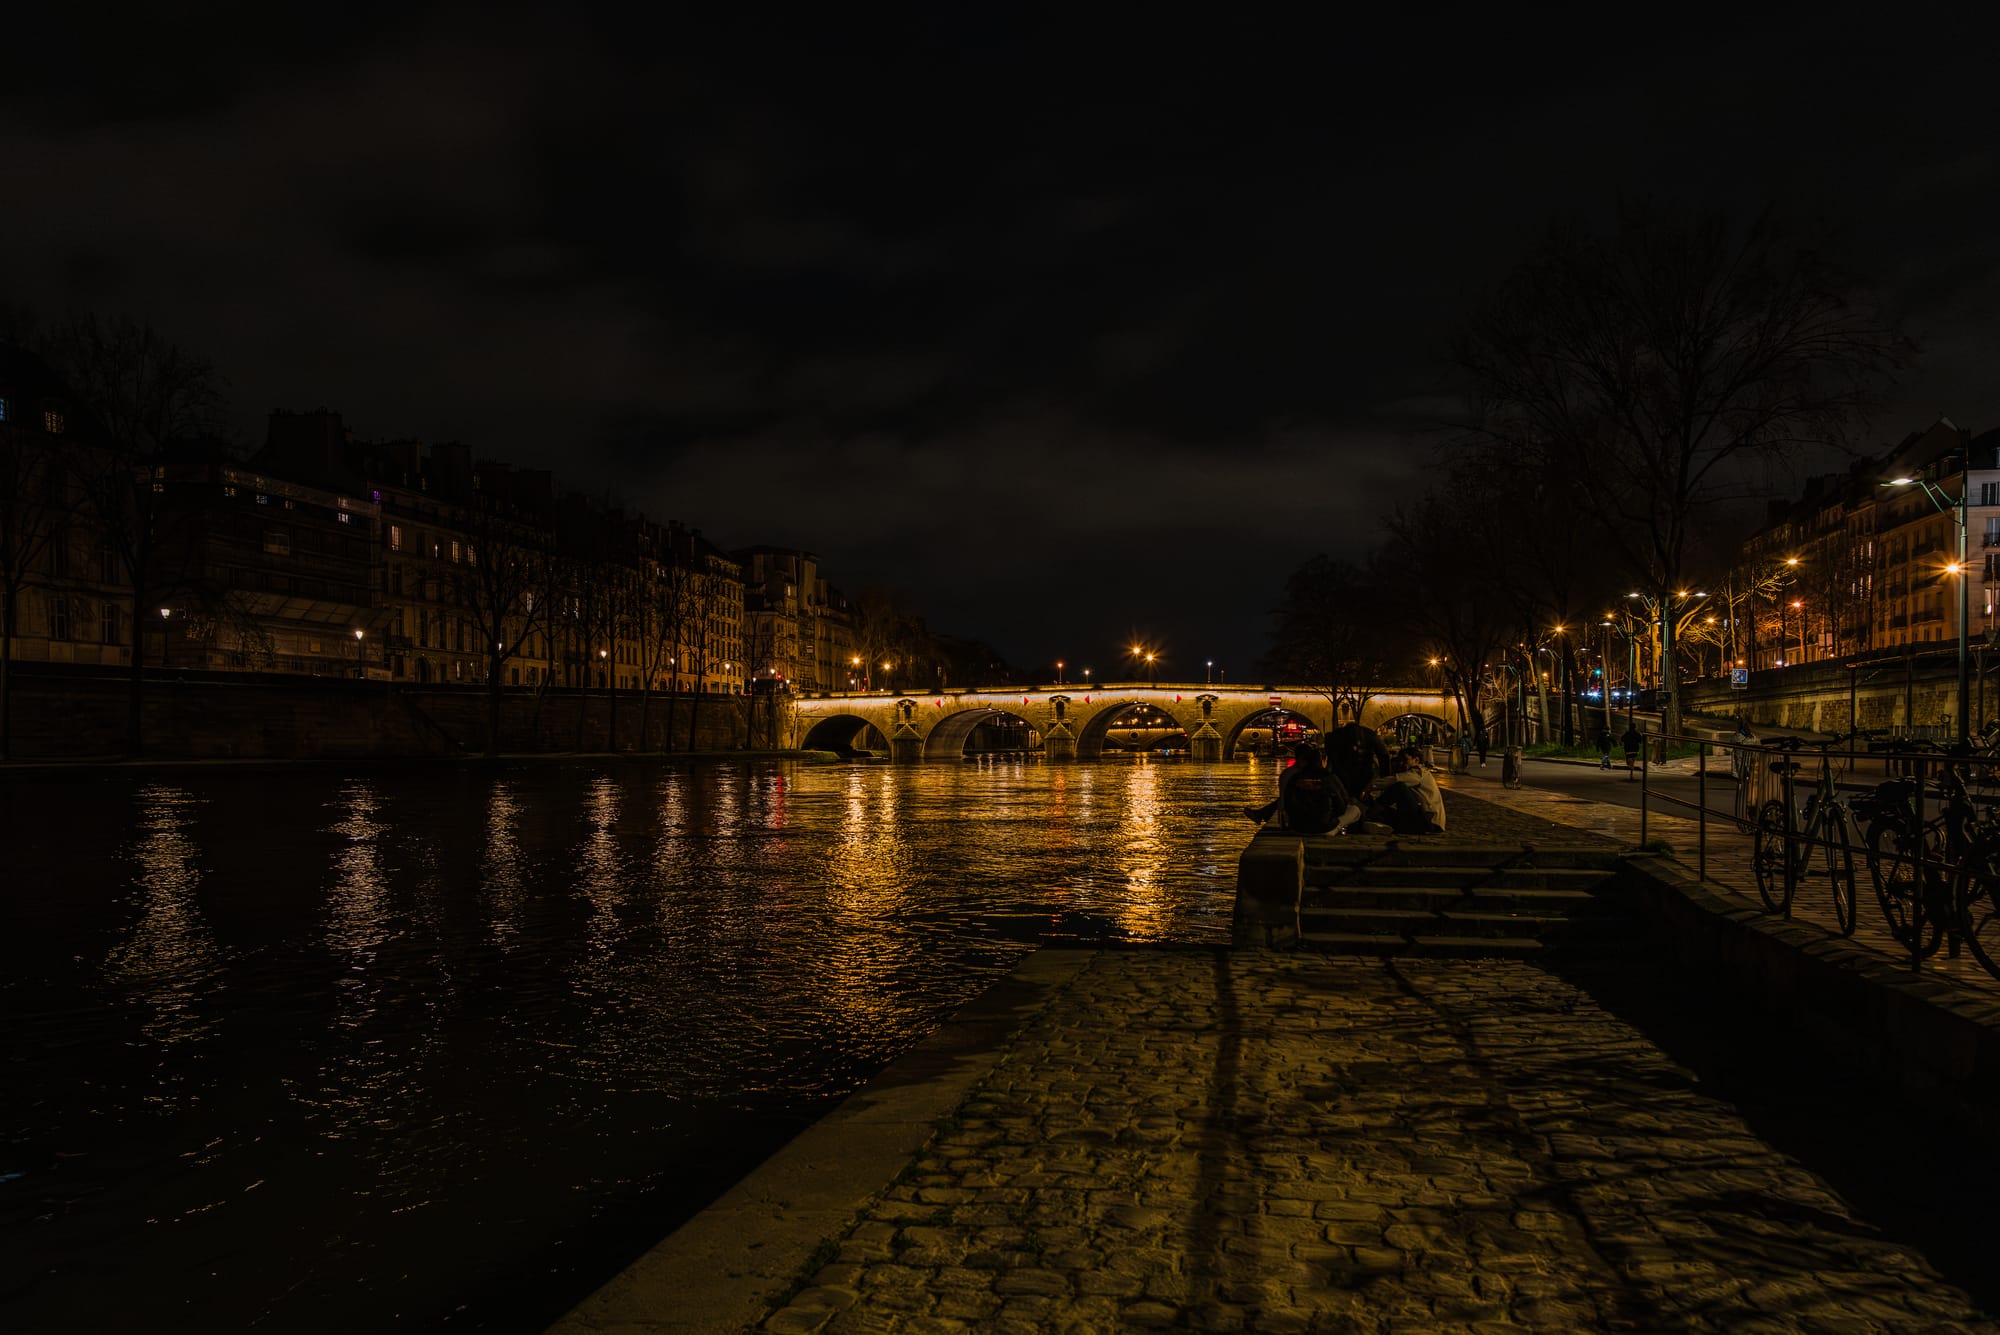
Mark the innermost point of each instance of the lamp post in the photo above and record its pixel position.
(1964, 582)
(166, 615)
(1799, 606)
(1211, 672)
(1606, 689)
(1059, 671)
(1149, 668)
(360, 653)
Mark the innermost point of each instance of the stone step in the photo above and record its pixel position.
(1393, 851)
(1432, 947)
(1417, 923)
(1473, 923)
(1462, 876)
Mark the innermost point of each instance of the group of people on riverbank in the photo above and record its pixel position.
(1339, 790)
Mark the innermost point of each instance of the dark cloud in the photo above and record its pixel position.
(1064, 322)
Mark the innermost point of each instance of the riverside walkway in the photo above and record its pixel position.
(1250, 1140)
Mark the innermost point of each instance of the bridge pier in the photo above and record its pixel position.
(1205, 743)
(1059, 743)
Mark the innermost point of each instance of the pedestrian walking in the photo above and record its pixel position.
(1479, 744)
(1633, 741)
(1604, 746)
(1464, 750)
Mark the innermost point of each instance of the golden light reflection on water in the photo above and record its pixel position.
(1142, 856)
(501, 868)
(603, 871)
(362, 1076)
(866, 944)
(169, 958)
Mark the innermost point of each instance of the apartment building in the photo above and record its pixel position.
(1864, 563)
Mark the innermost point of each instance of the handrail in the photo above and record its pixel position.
(1940, 787)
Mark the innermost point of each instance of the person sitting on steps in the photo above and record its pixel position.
(1312, 799)
(1410, 803)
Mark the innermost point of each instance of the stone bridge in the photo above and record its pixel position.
(1073, 721)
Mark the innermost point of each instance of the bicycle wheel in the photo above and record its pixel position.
(1979, 903)
(1831, 854)
(1891, 850)
(1768, 852)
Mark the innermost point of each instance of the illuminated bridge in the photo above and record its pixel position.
(1074, 721)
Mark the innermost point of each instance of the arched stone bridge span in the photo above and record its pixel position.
(1073, 721)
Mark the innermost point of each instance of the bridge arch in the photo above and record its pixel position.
(947, 738)
(1263, 717)
(1097, 727)
(844, 734)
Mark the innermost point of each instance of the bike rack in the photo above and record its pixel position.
(1914, 764)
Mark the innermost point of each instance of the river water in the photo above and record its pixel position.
(437, 1047)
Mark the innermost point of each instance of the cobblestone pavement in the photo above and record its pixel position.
(1528, 809)
(1294, 1143)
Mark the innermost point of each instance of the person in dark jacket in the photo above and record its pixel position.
(1311, 796)
(1633, 741)
(1356, 755)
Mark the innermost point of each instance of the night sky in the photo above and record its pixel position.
(1069, 330)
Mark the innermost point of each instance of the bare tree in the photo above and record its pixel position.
(662, 625)
(1330, 635)
(148, 397)
(707, 602)
(1648, 364)
(499, 586)
(27, 522)
(1440, 570)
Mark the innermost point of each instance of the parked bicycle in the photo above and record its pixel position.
(1793, 841)
(1936, 877)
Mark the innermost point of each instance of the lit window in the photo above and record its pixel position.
(395, 537)
(3, 410)
(52, 421)
(454, 549)
(262, 499)
(344, 517)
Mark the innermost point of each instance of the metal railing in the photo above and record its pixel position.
(1945, 829)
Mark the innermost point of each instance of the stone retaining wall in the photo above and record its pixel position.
(71, 716)
(1935, 1038)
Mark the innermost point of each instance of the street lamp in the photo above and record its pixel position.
(1149, 669)
(360, 661)
(1211, 672)
(1799, 606)
(1958, 568)
(1059, 671)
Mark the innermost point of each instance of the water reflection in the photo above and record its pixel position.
(1142, 909)
(169, 958)
(502, 868)
(602, 867)
(509, 1005)
(358, 1069)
